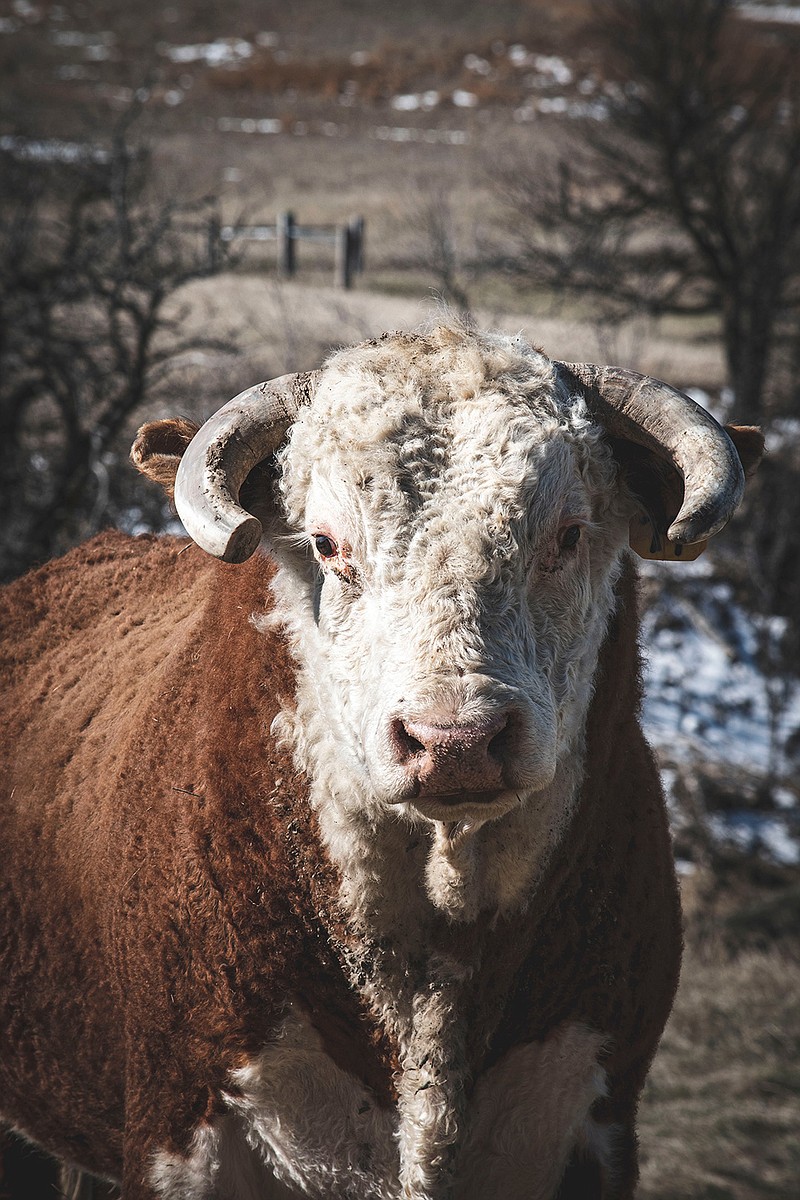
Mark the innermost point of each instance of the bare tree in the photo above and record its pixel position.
(687, 199)
(439, 253)
(90, 264)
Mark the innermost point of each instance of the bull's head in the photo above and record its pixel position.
(450, 512)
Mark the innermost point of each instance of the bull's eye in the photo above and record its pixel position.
(326, 547)
(569, 537)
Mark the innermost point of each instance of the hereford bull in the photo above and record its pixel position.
(345, 872)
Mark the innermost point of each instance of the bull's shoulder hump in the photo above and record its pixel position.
(110, 577)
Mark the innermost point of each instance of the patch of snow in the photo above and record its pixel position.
(592, 110)
(77, 40)
(783, 14)
(405, 103)
(249, 125)
(52, 150)
(396, 133)
(224, 52)
(752, 832)
(553, 104)
(781, 433)
(480, 66)
(519, 57)
(132, 520)
(414, 101)
(554, 68)
(727, 398)
(463, 99)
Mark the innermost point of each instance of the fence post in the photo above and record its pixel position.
(349, 247)
(343, 265)
(357, 226)
(286, 240)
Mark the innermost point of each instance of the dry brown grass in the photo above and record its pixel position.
(284, 326)
(721, 1110)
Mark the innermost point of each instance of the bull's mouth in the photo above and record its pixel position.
(456, 806)
(419, 797)
(458, 798)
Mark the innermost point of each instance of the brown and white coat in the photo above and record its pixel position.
(252, 945)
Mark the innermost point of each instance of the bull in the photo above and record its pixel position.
(335, 862)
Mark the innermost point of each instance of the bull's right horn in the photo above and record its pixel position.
(244, 432)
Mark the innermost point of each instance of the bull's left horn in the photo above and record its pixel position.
(222, 454)
(659, 417)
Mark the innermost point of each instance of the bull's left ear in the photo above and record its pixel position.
(659, 489)
(159, 448)
(749, 443)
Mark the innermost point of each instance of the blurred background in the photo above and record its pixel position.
(196, 195)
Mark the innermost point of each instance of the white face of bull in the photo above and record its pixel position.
(466, 525)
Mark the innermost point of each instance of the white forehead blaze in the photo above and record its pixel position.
(456, 441)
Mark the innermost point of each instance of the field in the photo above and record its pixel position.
(720, 1112)
(409, 115)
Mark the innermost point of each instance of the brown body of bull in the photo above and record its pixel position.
(164, 892)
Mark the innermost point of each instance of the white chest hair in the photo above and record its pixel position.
(299, 1126)
(319, 1129)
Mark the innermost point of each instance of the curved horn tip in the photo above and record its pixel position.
(243, 541)
(696, 528)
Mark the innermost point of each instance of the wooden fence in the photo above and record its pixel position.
(348, 241)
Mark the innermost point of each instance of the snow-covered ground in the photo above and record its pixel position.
(706, 687)
(711, 699)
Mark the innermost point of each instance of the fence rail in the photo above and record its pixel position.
(347, 239)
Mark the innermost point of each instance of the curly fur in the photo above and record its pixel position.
(217, 906)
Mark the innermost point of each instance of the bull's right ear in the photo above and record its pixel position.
(159, 447)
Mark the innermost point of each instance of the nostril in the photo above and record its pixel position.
(500, 745)
(405, 744)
